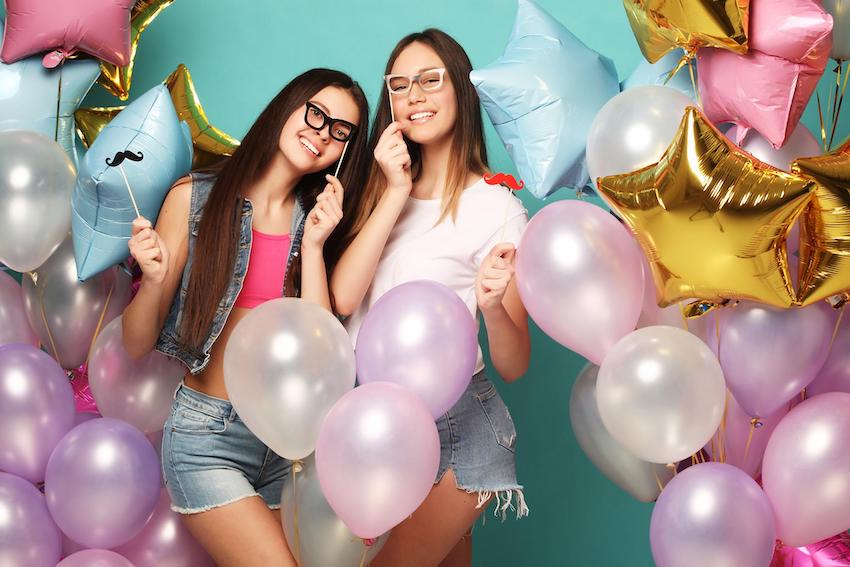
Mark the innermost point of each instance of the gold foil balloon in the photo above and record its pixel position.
(91, 121)
(825, 228)
(663, 25)
(116, 79)
(711, 219)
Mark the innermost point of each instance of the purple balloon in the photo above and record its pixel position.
(580, 277)
(102, 483)
(95, 558)
(36, 410)
(377, 456)
(806, 471)
(28, 536)
(769, 355)
(419, 335)
(165, 541)
(835, 374)
(712, 515)
(14, 325)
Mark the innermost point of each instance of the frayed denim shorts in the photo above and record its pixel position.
(210, 458)
(477, 441)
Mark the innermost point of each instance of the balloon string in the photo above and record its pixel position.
(837, 325)
(296, 466)
(684, 315)
(822, 125)
(363, 557)
(721, 433)
(754, 423)
(682, 62)
(58, 101)
(657, 480)
(840, 103)
(100, 321)
(44, 319)
(672, 467)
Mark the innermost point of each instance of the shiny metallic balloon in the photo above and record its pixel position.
(286, 363)
(138, 391)
(14, 326)
(65, 312)
(840, 11)
(641, 479)
(321, 539)
(36, 180)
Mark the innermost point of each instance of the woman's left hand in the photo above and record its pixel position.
(326, 215)
(494, 275)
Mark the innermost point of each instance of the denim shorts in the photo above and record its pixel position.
(477, 441)
(210, 458)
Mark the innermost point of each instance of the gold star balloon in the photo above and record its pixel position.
(117, 80)
(711, 219)
(210, 143)
(663, 25)
(825, 227)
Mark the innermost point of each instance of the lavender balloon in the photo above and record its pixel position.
(138, 391)
(14, 325)
(712, 515)
(768, 355)
(28, 536)
(580, 277)
(420, 335)
(102, 483)
(165, 541)
(36, 410)
(801, 143)
(378, 454)
(95, 558)
(835, 374)
(806, 471)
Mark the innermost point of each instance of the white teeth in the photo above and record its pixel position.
(421, 115)
(306, 143)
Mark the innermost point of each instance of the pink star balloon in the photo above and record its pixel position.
(768, 88)
(98, 27)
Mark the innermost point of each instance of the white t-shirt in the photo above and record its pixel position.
(450, 252)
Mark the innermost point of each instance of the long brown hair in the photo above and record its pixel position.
(468, 154)
(218, 235)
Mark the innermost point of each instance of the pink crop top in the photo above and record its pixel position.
(266, 269)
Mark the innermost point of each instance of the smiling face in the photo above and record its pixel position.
(309, 149)
(429, 116)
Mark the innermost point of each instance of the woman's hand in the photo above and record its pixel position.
(326, 215)
(149, 250)
(494, 275)
(393, 158)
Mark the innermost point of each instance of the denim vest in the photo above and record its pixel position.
(168, 342)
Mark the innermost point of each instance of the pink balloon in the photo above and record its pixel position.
(95, 558)
(98, 27)
(835, 374)
(580, 277)
(420, 335)
(377, 456)
(165, 541)
(769, 87)
(14, 325)
(801, 143)
(769, 355)
(806, 471)
(733, 439)
(83, 398)
(28, 536)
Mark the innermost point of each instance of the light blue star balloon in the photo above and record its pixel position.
(647, 74)
(542, 95)
(28, 95)
(158, 152)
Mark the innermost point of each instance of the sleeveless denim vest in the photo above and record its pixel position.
(168, 342)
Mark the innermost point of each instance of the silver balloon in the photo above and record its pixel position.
(36, 180)
(138, 391)
(641, 479)
(840, 11)
(14, 326)
(321, 539)
(286, 363)
(67, 313)
(661, 393)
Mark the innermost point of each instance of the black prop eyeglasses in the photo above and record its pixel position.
(340, 129)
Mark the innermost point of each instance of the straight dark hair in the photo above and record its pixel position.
(218, 235)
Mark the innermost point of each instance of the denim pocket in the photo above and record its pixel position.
(187, 419)
(498, 417)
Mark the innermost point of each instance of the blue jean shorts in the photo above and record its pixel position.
(477, 441)
(210, 458)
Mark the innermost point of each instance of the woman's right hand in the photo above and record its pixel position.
(149, 250)
(392, 155)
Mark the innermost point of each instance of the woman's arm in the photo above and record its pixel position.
(161, 254)
(318, 226)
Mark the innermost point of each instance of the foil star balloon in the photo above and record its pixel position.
(711, 219)
(29, 92)
(98, 27)
(663, 25)
(825, 228)
(115, 79)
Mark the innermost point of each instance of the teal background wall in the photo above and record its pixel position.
(240, 53)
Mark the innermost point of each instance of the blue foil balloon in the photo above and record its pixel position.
(542, 95)
(29, 92)
(149, 145)
(648, 74)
